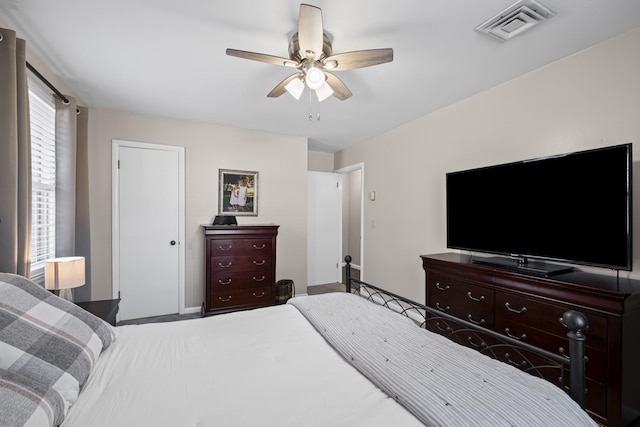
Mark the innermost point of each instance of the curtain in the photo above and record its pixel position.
(15, 157)
(83, 236)
(72, 188)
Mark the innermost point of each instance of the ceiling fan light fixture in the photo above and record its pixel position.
(311, 53)
(314, 78)
(295, 87)
(323, 92)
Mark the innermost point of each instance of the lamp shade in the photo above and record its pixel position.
(64, 273)
(323, 92)
(295, 87)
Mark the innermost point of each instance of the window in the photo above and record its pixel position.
(43, 175)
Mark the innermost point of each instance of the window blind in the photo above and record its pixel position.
(43, 175)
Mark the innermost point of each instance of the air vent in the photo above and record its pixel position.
(516, 19)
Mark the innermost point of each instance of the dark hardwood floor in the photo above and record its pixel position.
(158, 319)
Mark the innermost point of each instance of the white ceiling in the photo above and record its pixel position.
(167, 57)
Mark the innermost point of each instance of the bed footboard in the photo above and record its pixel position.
(536, 361)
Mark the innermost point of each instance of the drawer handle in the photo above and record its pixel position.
(228, 282)
(440, 287)
(258, 296)
(439, 307)
(227, 299)
(259, 247)
(225, 248)
(566, 356)
(259, 262)
(477, 322)
(515, 310)
(522, 364)
(522, 337)
(562, 352)
(259, 279)
(225, 266)
(447, 328)
(474, 298)
(481, 345)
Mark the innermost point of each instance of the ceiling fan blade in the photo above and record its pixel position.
(310, 31)
(358, 59)
(340, 90)
(280, 87)
(261, 57)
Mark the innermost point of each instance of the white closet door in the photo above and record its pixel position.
(148, 232)
(324, 224)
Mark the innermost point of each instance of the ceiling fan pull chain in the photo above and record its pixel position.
(311, 104)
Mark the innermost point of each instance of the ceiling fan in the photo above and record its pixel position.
(310, 51)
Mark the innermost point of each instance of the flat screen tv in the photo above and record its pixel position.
(574, 208)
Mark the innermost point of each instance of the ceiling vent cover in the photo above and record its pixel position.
(516, 19)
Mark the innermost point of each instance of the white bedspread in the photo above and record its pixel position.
(266, 367)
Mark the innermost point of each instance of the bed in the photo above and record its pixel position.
(326, 360)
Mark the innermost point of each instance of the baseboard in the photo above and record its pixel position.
(191, 310)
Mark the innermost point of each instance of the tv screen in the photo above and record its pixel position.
(573, 208)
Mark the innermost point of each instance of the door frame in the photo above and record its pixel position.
(345, 170)
(116, 145)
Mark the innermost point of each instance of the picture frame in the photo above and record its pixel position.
(237, 192)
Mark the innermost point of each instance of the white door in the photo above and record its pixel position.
(324, 223)
(147, 259)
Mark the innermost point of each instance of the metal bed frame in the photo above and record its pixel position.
(534, 360)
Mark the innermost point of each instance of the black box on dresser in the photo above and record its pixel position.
(529, 308)
(240, 267)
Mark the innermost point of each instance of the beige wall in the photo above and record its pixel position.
(320, 162)
(282, 199)
(587, 100)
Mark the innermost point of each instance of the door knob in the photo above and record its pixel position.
(172, 243)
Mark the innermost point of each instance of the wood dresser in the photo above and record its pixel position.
(240, 263)
(529, 308)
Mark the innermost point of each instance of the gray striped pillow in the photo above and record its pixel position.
(29, 403)
(47, 338)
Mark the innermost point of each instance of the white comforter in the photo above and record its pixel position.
(266, 367)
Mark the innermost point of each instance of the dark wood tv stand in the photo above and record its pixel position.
(529, 307)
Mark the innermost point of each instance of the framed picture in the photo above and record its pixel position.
(238, 193)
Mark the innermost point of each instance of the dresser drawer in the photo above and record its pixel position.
(461, 299)
(232, 247)
(596, 390)
(232, 264)
(226, 280)
(596, 357)
(240, 267)
(242, 297)
(536, 314)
